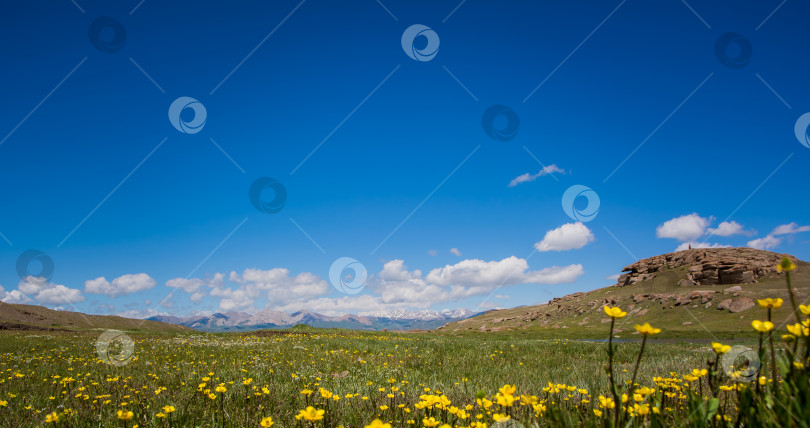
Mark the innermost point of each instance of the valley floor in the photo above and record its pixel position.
(355, 378)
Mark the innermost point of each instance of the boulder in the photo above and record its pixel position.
(741, 304)
(734, 289)
(748, 277)
(686, 283)
(724, 305)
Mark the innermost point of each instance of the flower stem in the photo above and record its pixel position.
(613, 390)
(773, 357)
(638, 362)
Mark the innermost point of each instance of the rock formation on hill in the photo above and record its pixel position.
(672, 291)
(707, 266)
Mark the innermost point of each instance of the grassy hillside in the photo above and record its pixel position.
(30, 317)
(580, 315)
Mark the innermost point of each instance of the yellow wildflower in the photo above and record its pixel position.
(762, 326)
(430, 422)
(770, 303)
(647, 329)
(786, 265)
(798, 330)
(614, 312)
(311, 414)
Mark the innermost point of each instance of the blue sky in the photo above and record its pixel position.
(384, 158)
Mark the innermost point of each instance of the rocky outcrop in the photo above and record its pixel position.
(707, 266)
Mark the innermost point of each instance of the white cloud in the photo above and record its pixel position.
(124, 284)
(187, 285)
(685, 245)
(455, 251)
(59, 295)
(613, 278)
(570, 236)
(45, 292)
(15, 296)
(525, 178)
(771, 241)
(684, 228)
(433, 252)
(275, 284)
(511, 270)
(729, 228)
(32, 285)
(765, 243)
(789, 229)
(398, 287)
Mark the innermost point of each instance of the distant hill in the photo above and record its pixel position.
(697, 293)
(31, 317)
(267, 319)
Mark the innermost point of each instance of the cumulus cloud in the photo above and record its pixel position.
(433, 253)
(570, 236)
(685, 245)
(275, 284)
(15, 296)
(455, 251)
(765, 243)
(729, 228)
(44, 292)
(527, 177)
(684, 228)
(771, 241)
(399, 287)
(789, 229)
(511, 270)
(59, 295)
(187, 285)
(125, 284)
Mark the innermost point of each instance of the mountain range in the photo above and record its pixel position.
(393, 320)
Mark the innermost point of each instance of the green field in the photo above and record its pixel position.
(264, 374)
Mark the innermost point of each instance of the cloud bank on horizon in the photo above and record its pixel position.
(394, 287)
